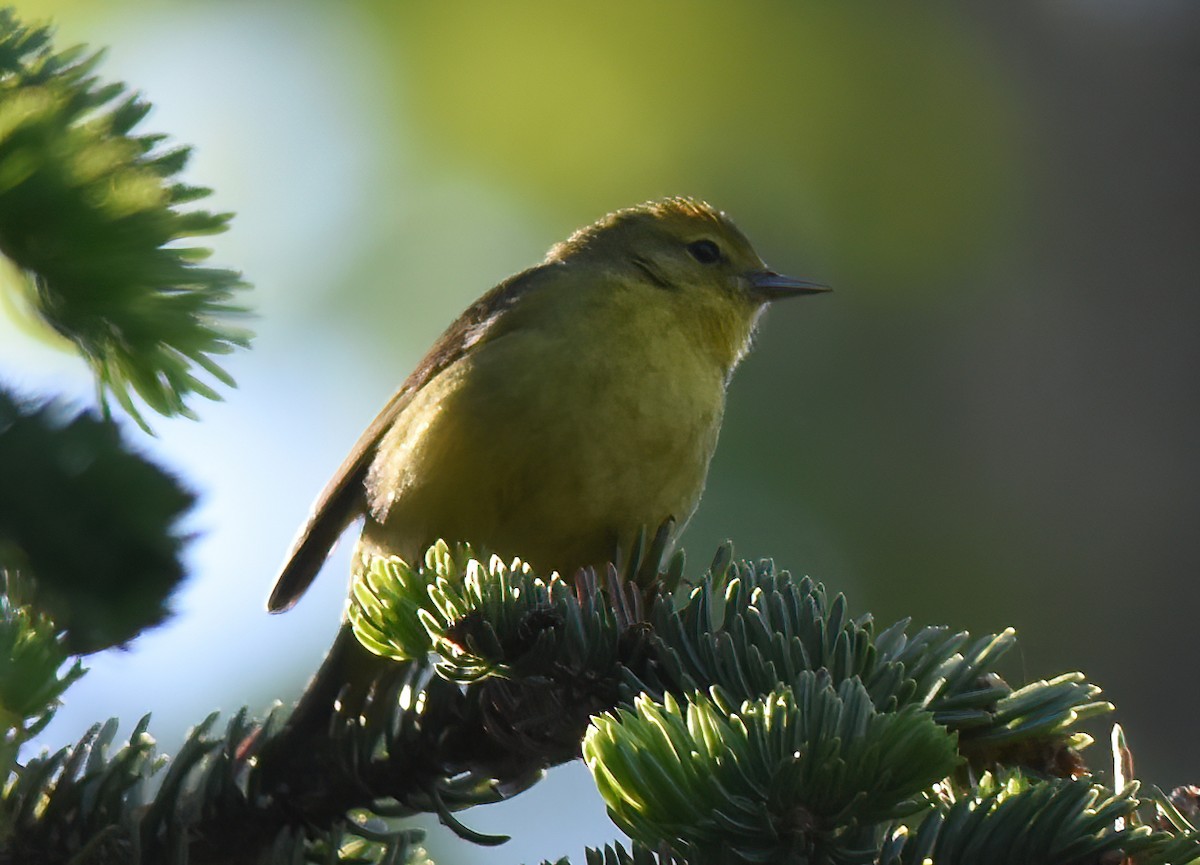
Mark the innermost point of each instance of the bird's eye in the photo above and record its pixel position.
(705, 251)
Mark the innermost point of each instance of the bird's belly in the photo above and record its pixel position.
(558, 469)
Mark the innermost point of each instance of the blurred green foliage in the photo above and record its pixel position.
(886, 131)
(91, 213)
(101, 566)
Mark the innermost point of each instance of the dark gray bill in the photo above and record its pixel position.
(767, 285)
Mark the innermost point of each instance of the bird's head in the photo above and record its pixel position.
(683, 254)
(682, 244)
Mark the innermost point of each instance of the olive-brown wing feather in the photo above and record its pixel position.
(343, 499)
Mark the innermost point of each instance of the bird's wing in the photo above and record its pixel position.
(343, 499)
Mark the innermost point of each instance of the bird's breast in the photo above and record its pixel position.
(550, 447)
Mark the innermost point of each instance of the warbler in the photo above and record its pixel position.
(571, 406)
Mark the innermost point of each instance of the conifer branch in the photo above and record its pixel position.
(96, 216)
(821, 768)
(92, 526)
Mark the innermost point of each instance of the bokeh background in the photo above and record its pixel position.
(992, 421)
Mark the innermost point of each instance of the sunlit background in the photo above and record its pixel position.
(993, 421)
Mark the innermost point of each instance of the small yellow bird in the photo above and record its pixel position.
(572, 405)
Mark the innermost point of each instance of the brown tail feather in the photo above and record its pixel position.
(304, 562)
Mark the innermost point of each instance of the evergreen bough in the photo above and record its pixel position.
(95, 216)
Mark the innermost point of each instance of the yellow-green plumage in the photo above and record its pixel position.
(571, 406)
(525, 445)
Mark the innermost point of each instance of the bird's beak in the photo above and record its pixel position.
(765, 286)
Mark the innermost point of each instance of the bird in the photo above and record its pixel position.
(572, 406)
